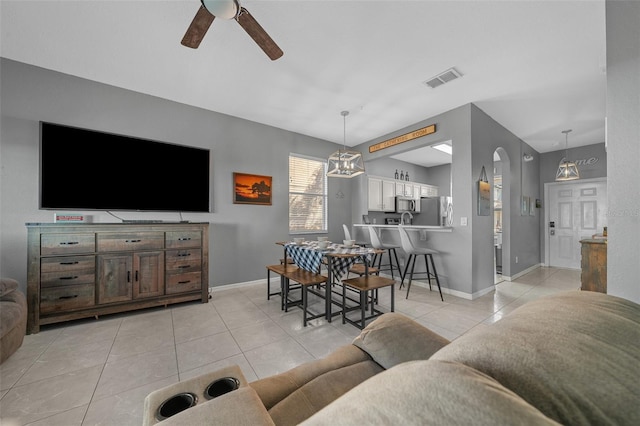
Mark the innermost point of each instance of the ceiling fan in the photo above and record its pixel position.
(228, 9)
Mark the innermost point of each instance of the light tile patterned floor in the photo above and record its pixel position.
(92, 372)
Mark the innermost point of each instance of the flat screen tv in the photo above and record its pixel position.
(83, 169)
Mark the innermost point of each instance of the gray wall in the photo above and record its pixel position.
(520, 234)
(623, 148)
(242, 237)
(466, 254)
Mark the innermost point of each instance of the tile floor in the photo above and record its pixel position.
(90, 372)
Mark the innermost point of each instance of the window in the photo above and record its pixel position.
(307, 194)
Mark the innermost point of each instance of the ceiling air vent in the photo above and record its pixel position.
(445, 77)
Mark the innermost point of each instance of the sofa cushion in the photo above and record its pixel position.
(393, 339)
(13, 322)
(429, 392)
(575, 356)
(320, 392)
(275, 388)
(7, 285)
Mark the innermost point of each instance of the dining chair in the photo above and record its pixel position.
(413, 253)
(386, 248)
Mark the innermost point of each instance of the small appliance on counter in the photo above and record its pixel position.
(392, 221)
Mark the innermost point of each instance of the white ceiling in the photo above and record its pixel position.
(536, 67)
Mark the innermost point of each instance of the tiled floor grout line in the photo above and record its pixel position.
(249, 299)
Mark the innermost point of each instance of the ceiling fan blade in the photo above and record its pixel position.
(258, 34)
(198, 28)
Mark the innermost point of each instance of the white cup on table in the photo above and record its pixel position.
(323, 244)
(348, 243)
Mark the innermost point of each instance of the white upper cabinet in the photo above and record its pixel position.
(382, 194)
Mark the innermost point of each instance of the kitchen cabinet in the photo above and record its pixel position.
(407, 189)
(382, 194)
(428, 190)
(85, 270)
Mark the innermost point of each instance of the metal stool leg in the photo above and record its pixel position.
(433, 265)
(413, 266)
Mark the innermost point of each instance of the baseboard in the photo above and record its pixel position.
(445, 290)
(521, 273)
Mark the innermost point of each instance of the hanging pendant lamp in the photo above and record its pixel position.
(567, 170)
(344, 163)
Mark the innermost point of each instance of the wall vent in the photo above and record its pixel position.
(442, 78)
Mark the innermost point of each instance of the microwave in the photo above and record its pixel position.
(406, 204)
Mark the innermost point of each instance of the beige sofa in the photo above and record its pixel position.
(13, 317)
(571, 358)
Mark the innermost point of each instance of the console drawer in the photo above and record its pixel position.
(182, 256)
(67, 278)
(67, 243)
(179, 283)
(70, 263)
(67, 298)
(178, 239)
(108, 241)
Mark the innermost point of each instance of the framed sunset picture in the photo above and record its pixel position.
(251, 189)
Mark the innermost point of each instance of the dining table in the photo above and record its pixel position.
(339, 259)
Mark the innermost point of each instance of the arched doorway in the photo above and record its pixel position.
(501, 201)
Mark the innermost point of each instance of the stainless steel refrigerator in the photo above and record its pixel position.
(436, 211)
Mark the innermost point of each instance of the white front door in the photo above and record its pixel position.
(577, 210)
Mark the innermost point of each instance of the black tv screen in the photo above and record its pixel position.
(83, 169)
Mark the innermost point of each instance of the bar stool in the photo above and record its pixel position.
(414, 252)
(347, 236)
(389, 248)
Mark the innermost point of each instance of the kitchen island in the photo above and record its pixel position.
(421, 235)
(408, 227)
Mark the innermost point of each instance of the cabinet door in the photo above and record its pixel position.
(375, 195)
(388, 195)
(428, 191)
(114, 278)
(399, 189)
(417, 191)
(148, 274)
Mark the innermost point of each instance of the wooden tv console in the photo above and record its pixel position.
(89, 269)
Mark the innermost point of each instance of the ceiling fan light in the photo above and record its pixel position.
(223, 9)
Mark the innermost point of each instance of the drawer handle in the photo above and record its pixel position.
(183, 266)
(68, 297)
(69, 263)
(69, 243)
(184, 254)
(73, 277)
(184, 282)
(132, 241)
(184, 239)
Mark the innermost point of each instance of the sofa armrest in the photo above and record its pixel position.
(171, 402)
(393, 339)
(241, 407)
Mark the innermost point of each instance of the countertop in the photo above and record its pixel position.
(410, 227)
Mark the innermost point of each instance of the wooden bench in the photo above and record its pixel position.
(307, 281)
(280, 269)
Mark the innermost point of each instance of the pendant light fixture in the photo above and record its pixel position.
(344, 163)
(567, 170)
